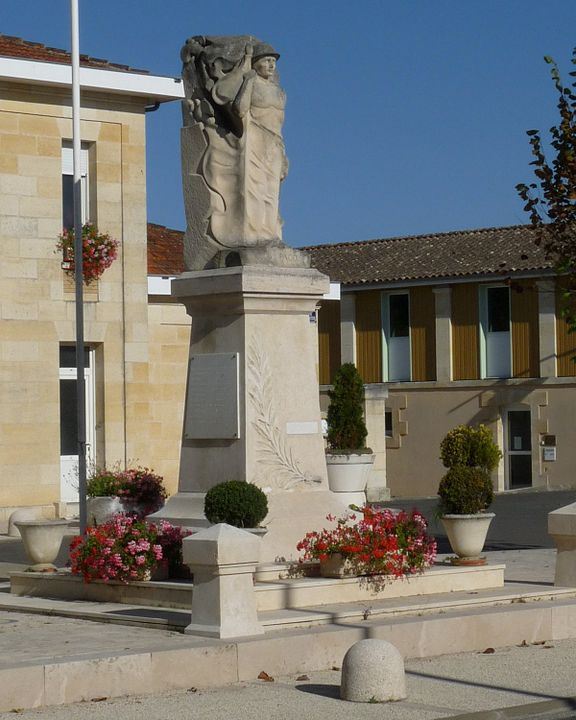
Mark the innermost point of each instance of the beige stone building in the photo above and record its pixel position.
(446, 329)
(459, 328)
(37, 309)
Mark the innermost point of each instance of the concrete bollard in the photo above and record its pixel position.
(562, 530)
(223, 559)
(373, 671)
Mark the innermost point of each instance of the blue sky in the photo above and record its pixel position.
(403, 117)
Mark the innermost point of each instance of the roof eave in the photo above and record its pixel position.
(154, 88)
(448, 280)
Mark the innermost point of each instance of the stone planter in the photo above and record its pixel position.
(101, 509)
(336, 566)
(467, 535)
(348, 473)
(42, 540)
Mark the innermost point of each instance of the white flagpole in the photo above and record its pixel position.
(78, 270)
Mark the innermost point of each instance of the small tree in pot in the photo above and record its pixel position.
(466, 492)
(348, 459)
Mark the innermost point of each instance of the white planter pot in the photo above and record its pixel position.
(101, 509)
(348, 473)
(467, 535)
(42, 540)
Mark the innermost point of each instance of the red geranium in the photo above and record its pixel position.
(382, 542)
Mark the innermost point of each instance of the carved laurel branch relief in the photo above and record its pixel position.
(273, 442)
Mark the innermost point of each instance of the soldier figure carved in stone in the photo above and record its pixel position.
(233, 156)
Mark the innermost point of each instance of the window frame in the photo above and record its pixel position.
(483, 331)
(67, 170)
(386, 337)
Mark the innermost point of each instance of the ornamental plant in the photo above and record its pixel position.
(103, 483)
(141, 490)
(465, 491)
(124, 549)
(170, 540)
(381, 542)
(470, 446)
(99, 251)
(237, 503)
(470, 454)
(346, 427)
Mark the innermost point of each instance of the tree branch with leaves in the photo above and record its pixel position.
(550, 201)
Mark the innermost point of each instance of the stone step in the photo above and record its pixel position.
(275, 595)
(391, 610)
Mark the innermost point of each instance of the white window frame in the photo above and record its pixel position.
(69, 463)
(386, 339)
(68, 169)
(485, 340)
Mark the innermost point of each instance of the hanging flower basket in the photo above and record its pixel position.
(99, 251)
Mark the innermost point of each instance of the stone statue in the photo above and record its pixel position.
(233, 157)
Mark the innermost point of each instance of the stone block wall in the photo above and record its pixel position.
(37, 311)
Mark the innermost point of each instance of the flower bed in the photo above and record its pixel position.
(381, 543)
(122, 549)
(127, 549)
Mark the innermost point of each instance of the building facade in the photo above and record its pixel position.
(38, 452)
(460, 328)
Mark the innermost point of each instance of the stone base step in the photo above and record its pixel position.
(276, 595)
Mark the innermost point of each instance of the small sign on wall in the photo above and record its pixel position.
(549, 454)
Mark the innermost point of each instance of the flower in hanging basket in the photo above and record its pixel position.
(380, 543)
(99, 251)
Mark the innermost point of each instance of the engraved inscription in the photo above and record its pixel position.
(212, 398)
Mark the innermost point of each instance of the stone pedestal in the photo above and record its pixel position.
(223, 560)
(562, 529)
(375, 397)
(252, 408)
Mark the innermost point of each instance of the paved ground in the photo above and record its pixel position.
(437, 687)
(521, 520)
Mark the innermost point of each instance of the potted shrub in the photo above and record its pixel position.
(381, 543)
(138, 491)
(348, 460)
(237, 503)
(466, 492)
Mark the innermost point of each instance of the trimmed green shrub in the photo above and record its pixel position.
(465, 490)
(471, 447)
(346, 427)
(237, 503)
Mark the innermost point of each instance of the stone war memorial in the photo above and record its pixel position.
(252, 406)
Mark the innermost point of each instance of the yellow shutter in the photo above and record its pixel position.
(422, 334)
(525, 341)
(328, 340)
(369, 336)
(465, 355)
(565, 342)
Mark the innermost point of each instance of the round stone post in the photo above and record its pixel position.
(222, 559)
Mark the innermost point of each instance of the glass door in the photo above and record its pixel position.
(518, 449)
(68, 430)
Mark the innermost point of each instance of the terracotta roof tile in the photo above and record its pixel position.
(16, 47)
(165, 250)
(466, 253)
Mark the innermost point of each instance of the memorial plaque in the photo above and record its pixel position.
(212, 398)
